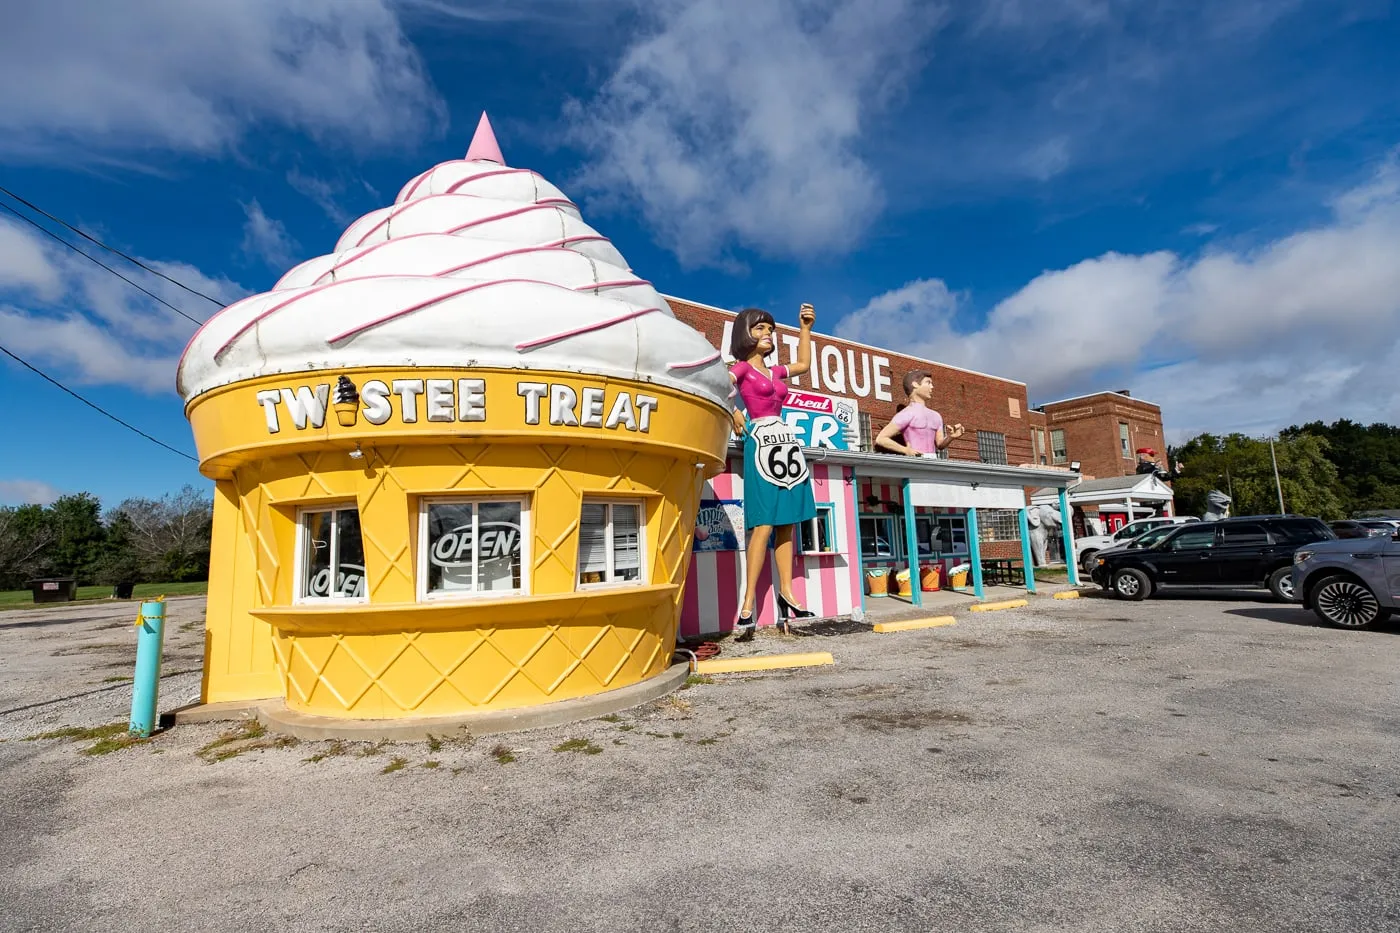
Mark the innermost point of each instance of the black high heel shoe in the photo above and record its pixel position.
(788, 611)
(745, 627)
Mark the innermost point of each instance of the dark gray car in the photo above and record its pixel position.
(1349, 583)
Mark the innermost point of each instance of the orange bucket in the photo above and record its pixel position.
(931, 580)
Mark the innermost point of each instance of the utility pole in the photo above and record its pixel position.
(1277, 485)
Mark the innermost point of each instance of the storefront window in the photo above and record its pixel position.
(817, 534)
(331, 554)
(941, 534)
(610, 543)
(470, 546)
(879, 538)
(998, 525)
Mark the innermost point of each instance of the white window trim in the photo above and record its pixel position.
(833, 546)
(421, 584)
(642, 576)
(299, 554)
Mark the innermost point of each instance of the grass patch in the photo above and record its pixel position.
(369, 751)
(611, 717)
(24, 599)
(246, 737)
(395, 764)
(627, 728)
(434, 743)
(80, 734)
(115, 680)
(695, 680)
(578, 745)
(333, 750)
(113, 743)
(430, 765)
(503, 754)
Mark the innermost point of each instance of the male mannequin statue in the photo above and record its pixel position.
(923, 430)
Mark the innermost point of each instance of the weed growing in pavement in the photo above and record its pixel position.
(78, 733)
(371, 750)
(611, 717)
(578, 745)
(247, 737)
(434, 743)
(627, 728)
(115, 680)
(676, 707)
(395, 764)
(503, 754)
(114, 743)
(695, 680)
(430, 765)
(336, 748)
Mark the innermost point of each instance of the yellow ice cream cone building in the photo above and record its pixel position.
(457, 460)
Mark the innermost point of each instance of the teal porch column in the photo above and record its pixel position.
(974, 550)
(916, 590)
(1068, 528)
(1026, 556)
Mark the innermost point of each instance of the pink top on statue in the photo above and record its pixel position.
(920, 426)
(763, 398)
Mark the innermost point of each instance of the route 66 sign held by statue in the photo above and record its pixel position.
(778, 454)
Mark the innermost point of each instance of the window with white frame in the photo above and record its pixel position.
(819, 534)
(998, 525)
(472, 546)
(330, 554)
(1123, 439)
(610, 543)
(1058, 452)
(991, 447)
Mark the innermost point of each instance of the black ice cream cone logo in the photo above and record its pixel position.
(347, 402)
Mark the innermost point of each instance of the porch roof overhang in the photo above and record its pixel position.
(1119, 489)
(929, 469)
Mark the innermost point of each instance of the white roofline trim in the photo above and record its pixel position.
(1079, 398)
(894, 466)
(863, 346)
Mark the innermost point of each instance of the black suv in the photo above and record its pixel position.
(1255, 550)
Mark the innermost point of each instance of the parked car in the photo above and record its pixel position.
(1349, 583)
(1254, 550)
(1359, 529)
(1088, 547)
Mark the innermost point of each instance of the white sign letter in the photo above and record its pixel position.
(622, 413)
(438, 400)
(862, 387)
(375, 395)
(471, 399)
(532, 392)
(268, 399)
(645, 406)
(306, 406)
(833, 369)
(882, 379)
(562, 400)
(408, 391)
(592, 408)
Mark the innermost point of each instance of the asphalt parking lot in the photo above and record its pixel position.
(1194, 763)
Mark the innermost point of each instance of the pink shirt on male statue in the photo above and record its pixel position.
(920, 426)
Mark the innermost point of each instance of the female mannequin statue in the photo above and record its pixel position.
(777, 482)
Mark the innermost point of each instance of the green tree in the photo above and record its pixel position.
(78, 536)
(1367, 459)
(169, 536)
(26, 533)
(1241, 467)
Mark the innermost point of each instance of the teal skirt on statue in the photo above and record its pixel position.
(766, 500)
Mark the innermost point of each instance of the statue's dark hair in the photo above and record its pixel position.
(741, 342)
(914, 377)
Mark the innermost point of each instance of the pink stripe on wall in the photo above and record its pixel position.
(690, 605)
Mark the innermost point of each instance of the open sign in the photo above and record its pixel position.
(498, 540)
(349, 582)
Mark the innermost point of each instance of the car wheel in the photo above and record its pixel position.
(1281, 584)
(1131, 584)
(1346, 603)
(1087, 559)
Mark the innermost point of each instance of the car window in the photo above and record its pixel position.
(1193, 539)
(1300, 531)
(1243, 535)
(1152, 536)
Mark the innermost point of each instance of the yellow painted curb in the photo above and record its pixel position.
(762, 662)
(991, 607)
(911, 624)
(1067, 594)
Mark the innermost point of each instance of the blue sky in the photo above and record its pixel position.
(1200, 201)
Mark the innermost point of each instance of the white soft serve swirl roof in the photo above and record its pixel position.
(474, 265)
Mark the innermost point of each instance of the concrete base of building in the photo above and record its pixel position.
(229, 711)
(275, 715)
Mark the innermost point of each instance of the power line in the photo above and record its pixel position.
(94, 407)
(110, 249)
(38, 226)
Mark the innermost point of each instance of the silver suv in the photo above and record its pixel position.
(1350, 582)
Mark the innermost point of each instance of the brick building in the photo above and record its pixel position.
(1103, 432)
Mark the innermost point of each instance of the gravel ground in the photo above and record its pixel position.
(1180, 764)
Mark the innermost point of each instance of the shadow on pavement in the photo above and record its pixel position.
(45, 623)
(1297, 615)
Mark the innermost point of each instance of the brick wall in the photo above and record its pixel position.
(1092, 433)
(979, 402)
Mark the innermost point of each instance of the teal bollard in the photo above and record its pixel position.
(150, 638)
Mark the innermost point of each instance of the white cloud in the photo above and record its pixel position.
(1302, 327)
(741, 121)
(91, 74)
(326, 195)
(26, 491)
(267, 239)
(83, 324)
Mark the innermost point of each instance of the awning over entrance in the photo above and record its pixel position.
(966, 495)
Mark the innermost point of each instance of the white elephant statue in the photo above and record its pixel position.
(1045, 522)
(1217, 506)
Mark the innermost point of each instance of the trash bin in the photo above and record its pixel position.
(123, 590)
(877, 581)
(54, 589)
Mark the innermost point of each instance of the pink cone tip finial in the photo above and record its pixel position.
(484, 147)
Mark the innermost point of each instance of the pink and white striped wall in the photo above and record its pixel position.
(828, 584)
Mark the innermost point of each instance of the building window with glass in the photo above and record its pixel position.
(991, 447)
(867, 435)
(330, 554)
(998, 525)
(818, 535)
(1123, 440)
(1039, 434)
(879, 538)
(610, 543)
(472, 547)
(1058, 452)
